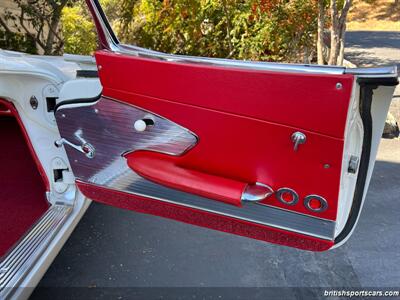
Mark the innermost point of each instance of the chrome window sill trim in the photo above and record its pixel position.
(232, 63)
(389, 71)
(21, 259)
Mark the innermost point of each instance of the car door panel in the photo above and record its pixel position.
(251, 150)
(105, 124)
(274, 152)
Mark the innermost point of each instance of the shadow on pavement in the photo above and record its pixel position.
(373, 39)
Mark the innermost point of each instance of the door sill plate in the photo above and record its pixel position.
(20, 260)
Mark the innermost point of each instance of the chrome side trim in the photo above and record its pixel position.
(108, 125)
(19, 261)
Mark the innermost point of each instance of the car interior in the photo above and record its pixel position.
(19, 173)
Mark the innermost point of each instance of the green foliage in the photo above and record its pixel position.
(38, 20)
(274, 30)
(17, 42)
(78, 31)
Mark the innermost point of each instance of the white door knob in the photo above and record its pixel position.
(140, 125)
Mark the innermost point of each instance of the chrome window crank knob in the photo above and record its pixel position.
(298, 138)
(141, 124)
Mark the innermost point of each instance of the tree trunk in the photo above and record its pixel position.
(48, 50)
(320, 37)
(341, 48)
(54, 27)
(335, 34)
(342, 33)
(338, 30)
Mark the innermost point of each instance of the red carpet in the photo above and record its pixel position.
(22, 190)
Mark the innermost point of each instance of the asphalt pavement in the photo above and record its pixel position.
(112, 250)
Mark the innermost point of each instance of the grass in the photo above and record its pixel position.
(381, 15)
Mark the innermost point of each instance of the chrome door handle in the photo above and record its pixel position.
(84, 148)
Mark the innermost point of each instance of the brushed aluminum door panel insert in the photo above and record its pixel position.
(108, 125)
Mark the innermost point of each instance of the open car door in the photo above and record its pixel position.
(276, 152)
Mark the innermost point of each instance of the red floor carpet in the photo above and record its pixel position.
(22, 190)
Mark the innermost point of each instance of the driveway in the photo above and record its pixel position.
(369, 48)
(376, 48)
(112, 249)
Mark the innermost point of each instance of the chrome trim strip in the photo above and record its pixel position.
(230, 63)
(108, 125)
(388, 71)
(250, 211)
(19, 261)
(112, 44)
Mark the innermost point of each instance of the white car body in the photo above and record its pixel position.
(21, 77)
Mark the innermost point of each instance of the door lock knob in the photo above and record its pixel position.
(298, 138)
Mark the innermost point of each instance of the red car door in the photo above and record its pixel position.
(276, 152)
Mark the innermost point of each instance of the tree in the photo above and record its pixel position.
(78, 30)
(273, 30)
(40, 20)
(338, 19)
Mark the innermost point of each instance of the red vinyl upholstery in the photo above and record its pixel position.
(161, 168)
